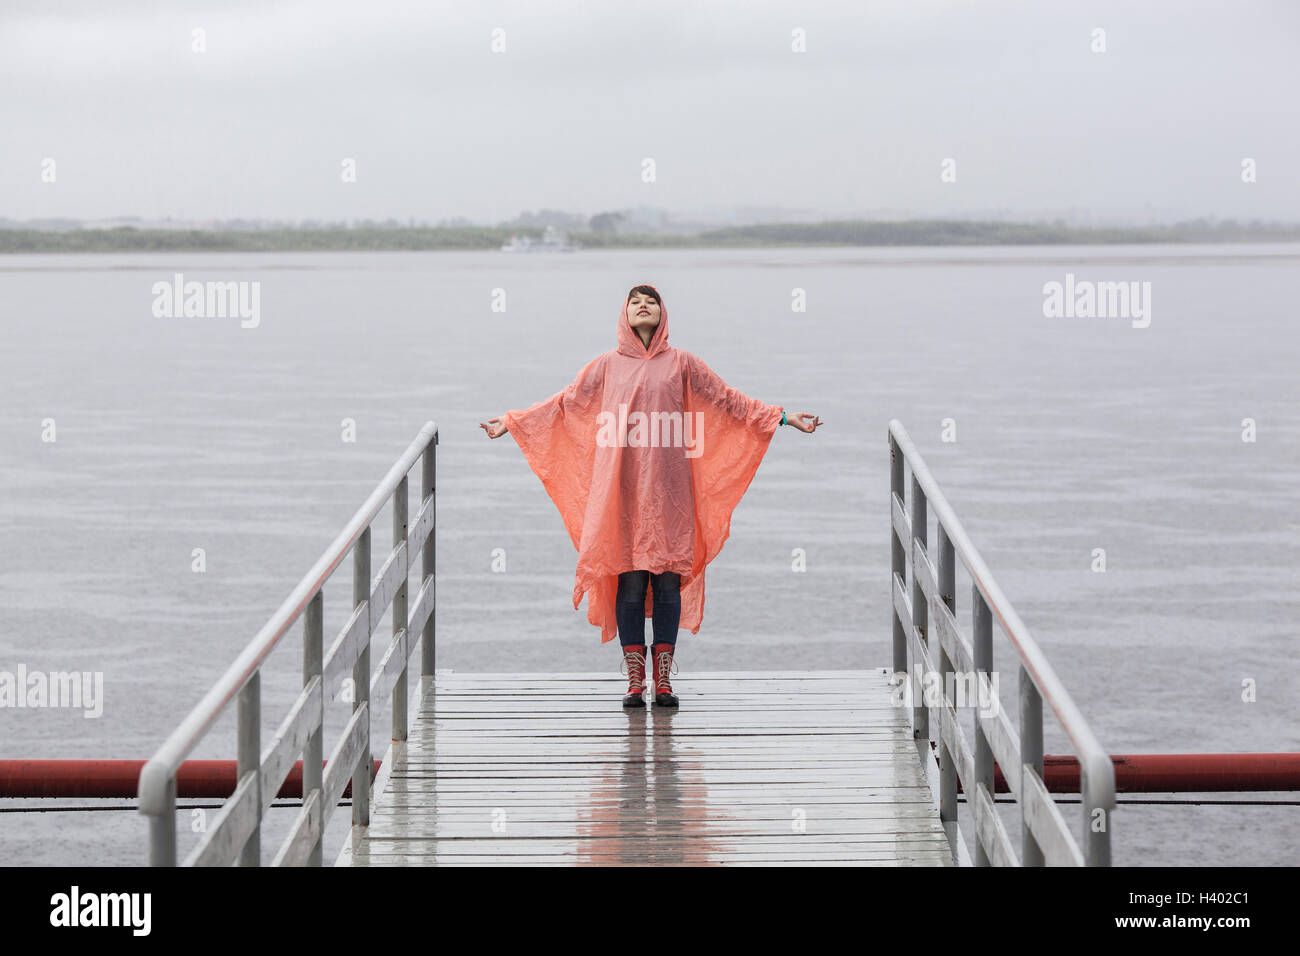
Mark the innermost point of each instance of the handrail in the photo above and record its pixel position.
(260, 774)
(1020, 755)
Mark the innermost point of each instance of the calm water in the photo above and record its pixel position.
(1073, 434)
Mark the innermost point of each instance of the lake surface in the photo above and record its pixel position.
(1072, 434)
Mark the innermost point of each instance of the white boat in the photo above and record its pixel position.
(552, 241)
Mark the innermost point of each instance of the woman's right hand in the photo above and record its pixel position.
(494, 427)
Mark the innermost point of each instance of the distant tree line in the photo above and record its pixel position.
(958, 232)
(602, 233)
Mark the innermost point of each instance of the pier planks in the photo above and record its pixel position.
(754, 769)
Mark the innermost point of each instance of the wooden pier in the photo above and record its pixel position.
(753, 769)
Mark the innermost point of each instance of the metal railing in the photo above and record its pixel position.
(1045, 838)
(235, 834)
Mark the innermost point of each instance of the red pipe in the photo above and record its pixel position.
(119, 778)
(1134, 773)
(1174, 773)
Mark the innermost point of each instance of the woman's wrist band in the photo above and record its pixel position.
(783, 416)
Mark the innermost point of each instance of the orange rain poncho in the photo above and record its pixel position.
(646, 454)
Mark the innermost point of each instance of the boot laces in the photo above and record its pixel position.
(662, 666)
(633, 666)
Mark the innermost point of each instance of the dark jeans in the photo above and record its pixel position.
(629, 606)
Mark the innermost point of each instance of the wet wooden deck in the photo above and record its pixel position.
(754, 768)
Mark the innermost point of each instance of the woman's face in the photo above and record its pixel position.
(642, 311)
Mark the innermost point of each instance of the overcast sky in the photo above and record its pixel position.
(1155, 128)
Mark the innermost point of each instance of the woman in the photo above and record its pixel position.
(646, 454)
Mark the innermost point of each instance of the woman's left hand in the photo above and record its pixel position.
(804, 421)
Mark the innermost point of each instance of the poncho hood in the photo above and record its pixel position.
(646, 455)
(629, 342)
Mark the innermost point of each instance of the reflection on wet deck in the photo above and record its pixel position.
(755, 768)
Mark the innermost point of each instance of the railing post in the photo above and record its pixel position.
(1031, 756)
(400, 509)
(1096, 843)
(162, 829)
(250, 759)
(313, 752)
(920, 610)
(361, 679)
(982, 648)
(897, 559)
(428, 560)
(947, 588)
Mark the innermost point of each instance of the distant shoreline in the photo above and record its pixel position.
(460, 238)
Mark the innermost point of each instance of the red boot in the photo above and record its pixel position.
(663, 663)
(634, 661)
